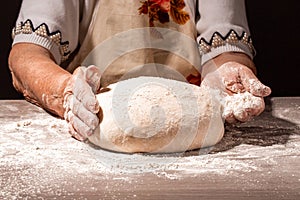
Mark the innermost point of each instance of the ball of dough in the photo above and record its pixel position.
(151, 114)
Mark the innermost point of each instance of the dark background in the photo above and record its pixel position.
(275, 29)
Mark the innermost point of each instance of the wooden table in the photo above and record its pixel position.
(259, 159)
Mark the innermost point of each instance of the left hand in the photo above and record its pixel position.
(232, 78)
(80, 103)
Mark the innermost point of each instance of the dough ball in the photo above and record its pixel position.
(151, 114)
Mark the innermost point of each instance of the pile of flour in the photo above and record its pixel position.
(240, 102)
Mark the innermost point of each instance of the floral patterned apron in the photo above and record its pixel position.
(129, 38)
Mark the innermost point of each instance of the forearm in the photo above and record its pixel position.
(36, 75)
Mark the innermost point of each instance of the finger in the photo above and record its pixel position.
(257, 108)
(75, 134)
(92, 77)
(230, 118)
(83, 92)
(89, 118)
(252, 84)
(237, 116)
(242, 115)
(79, 127)
(66, 103)
(250, 110)
(256, 88)
(79, 72)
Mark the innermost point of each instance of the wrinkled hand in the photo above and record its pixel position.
(232, 78)
(80, 103)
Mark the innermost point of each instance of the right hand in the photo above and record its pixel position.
(233, 78)
(80, 103)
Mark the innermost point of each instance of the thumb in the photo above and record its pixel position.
(252, 84)
(92, 77)
(78, 73)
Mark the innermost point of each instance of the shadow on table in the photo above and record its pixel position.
(264, 130)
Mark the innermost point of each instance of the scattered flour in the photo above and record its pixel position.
(45, 142)
(38, 156)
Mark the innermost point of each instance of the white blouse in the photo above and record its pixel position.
(61, 25)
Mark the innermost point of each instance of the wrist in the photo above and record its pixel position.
(218, 61)
(54, 99)
(38, 77)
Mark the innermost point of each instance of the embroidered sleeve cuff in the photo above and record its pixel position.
(42, 41)
(25, 32)
(219, 44)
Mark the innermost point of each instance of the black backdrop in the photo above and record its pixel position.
(275, 29)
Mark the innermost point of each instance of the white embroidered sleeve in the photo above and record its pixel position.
(223, 27)
(53, 24)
